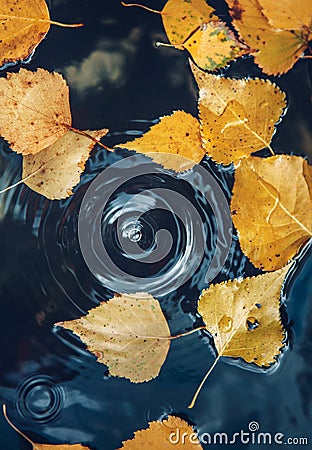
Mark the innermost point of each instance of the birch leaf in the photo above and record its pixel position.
(36, 446)
(289, 14)
(177, 134)
(192, 25)
(58, 167)
(272, 208)
(243, 317)
(23, 25)
(237, 116)
(275, 48)
(163, 435)
(129, 334)
(213, 46)
(35, 109)
(181, 18)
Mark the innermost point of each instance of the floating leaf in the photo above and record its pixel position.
(213, 46)
(275, 49)
(58, 167)
(237, 116)
(129, 333)
(33, 121)
(177, 134)
(163, 435)
(192, 25)
(272, 208)
(243, 317)
(36, 446)
(23, 25)
(181, 18)
(35, 109)
(289, 14)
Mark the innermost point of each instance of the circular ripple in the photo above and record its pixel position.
(40, 399)
(144, 229)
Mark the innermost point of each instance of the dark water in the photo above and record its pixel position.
(54, 390)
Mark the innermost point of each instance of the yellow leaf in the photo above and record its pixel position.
(36, 446)
(177, 134)
(164, 435)
(58, 167)
(272, 208)
(181, 18)
(34, 109)
(129, 334)
(59, 447)
(288, 14)
(275, 49)
(237, 116)
(192, 25)
(213, 46)
(23, 25)
(243, 317)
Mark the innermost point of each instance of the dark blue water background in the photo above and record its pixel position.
(54, 390)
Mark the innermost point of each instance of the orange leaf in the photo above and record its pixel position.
(23, 25)
(164, 435)
(275, 49)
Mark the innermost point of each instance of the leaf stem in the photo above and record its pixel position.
(25, 179)
(176, 46)
(83, 133)
(64, 25)
(192, 404)
(14, 427)
(142, 6)
(51, 22)
(187, 333)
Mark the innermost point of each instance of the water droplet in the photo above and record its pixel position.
(252, 323)
(225, 324)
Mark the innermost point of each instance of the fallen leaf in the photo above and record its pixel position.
(35, 109)
(243, 317)
(181, 18)
(59, 447)
(275, 48)
(192, 25)
(163, 435)
(272, 208)
(174, 135)
(213, 46)
(58, 168)
(36, 446)
(129, 334)
(23, 25)
(288, 14)
(237, 116)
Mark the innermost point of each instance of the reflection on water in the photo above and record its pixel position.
(54, 389)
